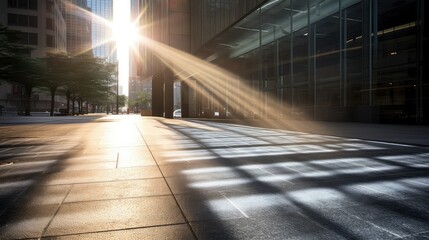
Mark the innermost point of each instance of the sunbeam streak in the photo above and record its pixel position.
(229, 89)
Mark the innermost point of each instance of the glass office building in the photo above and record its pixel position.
(332, 60)
(101, 31)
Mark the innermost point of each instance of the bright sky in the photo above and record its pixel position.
(121, 31)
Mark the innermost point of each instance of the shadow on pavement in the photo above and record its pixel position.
(313, 177)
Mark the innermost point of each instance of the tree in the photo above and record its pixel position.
(83, 78)
(16, 64)
(143, 100)
(122, 100)
(57, 70)
(9, 48)
(96, 77)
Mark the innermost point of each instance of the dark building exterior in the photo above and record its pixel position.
(42, 28)
(332, 60)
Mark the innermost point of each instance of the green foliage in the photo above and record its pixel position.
(12, 56)
(143, 100)
(79, 78)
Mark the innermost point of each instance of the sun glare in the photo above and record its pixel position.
(125, 34)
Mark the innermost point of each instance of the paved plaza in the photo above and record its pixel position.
(132, 177)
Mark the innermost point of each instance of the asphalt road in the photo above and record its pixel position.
(132, 177)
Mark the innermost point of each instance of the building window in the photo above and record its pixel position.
(12, 19)
(23, 4)
(28, 38)
(50, 41)
(32, 4)
(21, 20)
(49, 6)
(32, 39)
(32, 21)
(50, 23)
(12, 3)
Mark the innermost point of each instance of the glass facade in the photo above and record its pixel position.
(335, 60)
(100, 31)
(78, 26)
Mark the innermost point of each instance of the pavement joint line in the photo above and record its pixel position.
(293, 170)
(415, 234)
(115, 199)
(115, 230)
(311, 220)
(168, 185)
(392, 143)
(375, 190)
(111, 180)
(56, 212)
(372, 224)
(360, 165)
(282, 179)
(234, 205)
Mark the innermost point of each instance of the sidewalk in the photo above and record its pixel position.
(132, 177)
(393, 133)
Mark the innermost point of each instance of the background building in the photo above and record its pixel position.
(101, 32)
(43, 29)
(334, 60)
(79, 26)
(136, 86)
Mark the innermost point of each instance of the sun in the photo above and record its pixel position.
(126, 34)
(124, 31)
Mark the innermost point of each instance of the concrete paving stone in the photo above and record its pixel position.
(185, 185)
(117, 189)
(44, 195)
(113, 151)
(417, 236)
(137, 173)
(180, 185)
(397, 218)
(169, 146)
(184, 168)
(84, 217)
(319, 197)
(290, 226)
(135, 158)
(393, 189)
(345, 223)
(26, 221)
(172, 232)
(29, 168)
(82, 166)
(91, 158)
(183, 155)
(71, 177)
(8, 196)
(207, 206)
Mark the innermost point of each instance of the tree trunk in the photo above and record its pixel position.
(73, 102)
(27, 106)
(68, 96)
(53, 90)
(79, 104)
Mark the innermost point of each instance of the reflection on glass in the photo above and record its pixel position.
(395, 89)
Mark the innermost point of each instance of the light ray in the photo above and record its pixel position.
(221, 83)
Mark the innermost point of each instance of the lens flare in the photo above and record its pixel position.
(224, 88)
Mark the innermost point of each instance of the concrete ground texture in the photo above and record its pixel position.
(133, 177)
